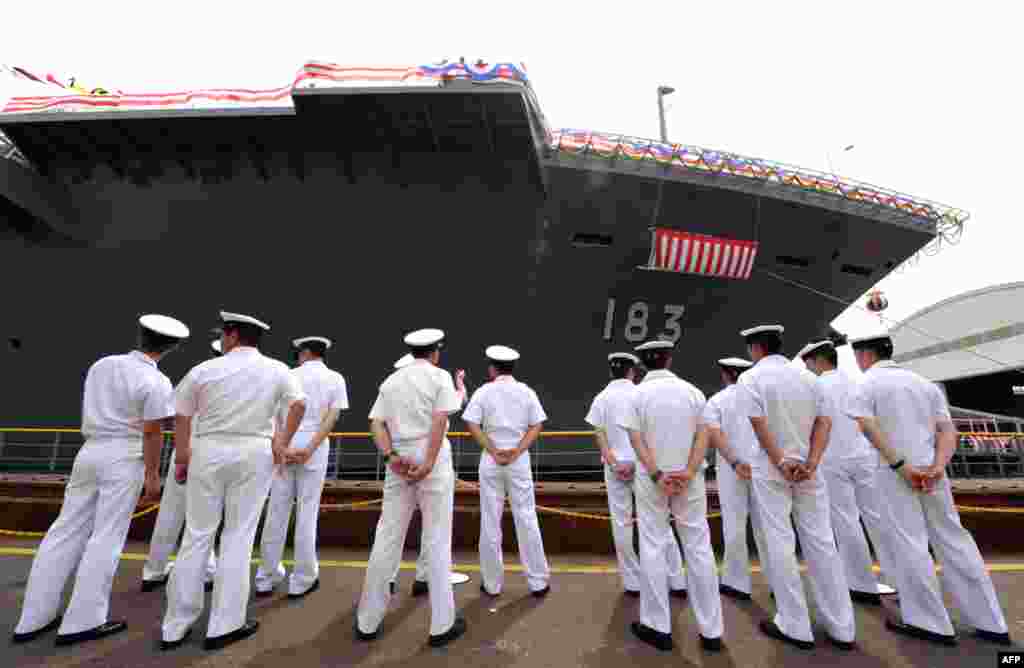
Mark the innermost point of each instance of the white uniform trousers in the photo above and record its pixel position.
(435, 496)
(690, 511)
(169, 521)
(736, 502)
(852, 495)
(912, 520)
(88, 535)
(421, 563)
(227, 475)
(303, 486)
(620, 508)
(516, 480)
(807, 503)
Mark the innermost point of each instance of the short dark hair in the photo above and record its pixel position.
(771, 342)
(248, 334)
(503, 368)
(620, 367)
(151, 342)
(881, 347)
(732, 371)
(657, 358)
(318, 348)
(827, 353)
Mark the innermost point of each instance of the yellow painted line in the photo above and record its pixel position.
(997, 567)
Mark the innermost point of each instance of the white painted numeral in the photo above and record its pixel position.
(636, 324)
(673, 312)
(609, 317)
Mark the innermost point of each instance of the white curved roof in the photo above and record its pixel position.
(971, 334)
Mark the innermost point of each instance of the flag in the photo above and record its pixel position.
(691, 253)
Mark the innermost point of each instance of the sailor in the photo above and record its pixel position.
(233, 399)
(126, 398)
(906, 418)
(302, 479)
(667, 432)
(732, 437)
(419, 584)
(409, 423)
(619, 461)
(169, 521)
(505, 417)
(849, 467)
(791, 421)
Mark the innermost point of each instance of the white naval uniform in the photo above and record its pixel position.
(734, 493)
(121, 393)
(325, 390)
(169, 521)
(668, 411)
(605, 413)
(407, 400)
(849, 467)
(791, 401)
(234, 399)
(505, 409)
(908, 408)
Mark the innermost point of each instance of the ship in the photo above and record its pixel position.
(360, 203)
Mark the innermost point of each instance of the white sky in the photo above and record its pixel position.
(928, 94)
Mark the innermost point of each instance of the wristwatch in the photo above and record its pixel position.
(656, 476)
(897, 465)
(388, 455)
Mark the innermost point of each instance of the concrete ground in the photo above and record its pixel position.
(583, 622)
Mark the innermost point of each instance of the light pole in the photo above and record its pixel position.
(662, 92)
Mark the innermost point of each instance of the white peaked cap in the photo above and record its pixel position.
(244, 319)
(735, 363)
(404, 361)
(422, 338)
(878, 336)
(816, 345)
(624, 356)
(312, 339)
(655, 345)
(501, 354)
(216, 346)
(165, 325)
(778, 329)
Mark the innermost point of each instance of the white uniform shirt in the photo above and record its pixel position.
(607, 411)
(790, 400)
(668, 411)
(845, 441)
(505, 409)
(121, 392)
(907, 406)
(237, 394)
(408, 399)
(325, 390)
(722, 413)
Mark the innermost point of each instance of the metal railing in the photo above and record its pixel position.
(566, 456)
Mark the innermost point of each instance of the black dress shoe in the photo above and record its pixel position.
(865, 597)
(726, 590)
(101, 631)
(711, 644)
(631, 592)
(365, 637)
(843, 645)
(662, 641)
(457, 629)
(769, 628)
(32, 635)
(312, 588)
(919, 633)
(175, 644)
(150, 585)
(419, 588)
(218, 642)
(261, 593)
(678, 593)
(992, 636)
(541, 593)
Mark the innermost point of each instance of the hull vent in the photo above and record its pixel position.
(591, 240)
(791, 261)
(856, 270)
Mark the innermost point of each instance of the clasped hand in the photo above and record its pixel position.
(505, 457)
(922, 479)
(675, 483)
(409, 469)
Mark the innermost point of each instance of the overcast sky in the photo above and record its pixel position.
(929, 95)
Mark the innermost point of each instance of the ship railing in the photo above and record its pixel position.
(556, 456)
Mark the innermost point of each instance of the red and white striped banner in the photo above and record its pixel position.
(690, 253)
